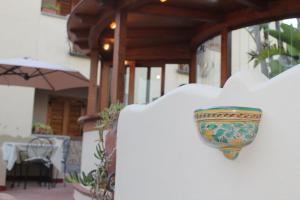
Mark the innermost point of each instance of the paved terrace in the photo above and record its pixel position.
(35, 192)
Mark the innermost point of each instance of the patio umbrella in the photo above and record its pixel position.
(33, 73)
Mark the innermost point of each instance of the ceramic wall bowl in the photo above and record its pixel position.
(228, 128)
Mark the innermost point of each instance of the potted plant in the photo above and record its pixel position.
(101, 180)
(41, 128)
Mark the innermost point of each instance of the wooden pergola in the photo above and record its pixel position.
(155, 32)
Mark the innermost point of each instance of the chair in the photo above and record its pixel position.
(38, 153)
(66, 149)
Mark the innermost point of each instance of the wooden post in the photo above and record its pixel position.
(92, 95)
(225, 56)
(131, 82)
(193, 68)
(119, 57)
(104, 85)
(162, 80)
(148, 84)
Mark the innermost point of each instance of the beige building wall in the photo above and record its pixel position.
(25, 32)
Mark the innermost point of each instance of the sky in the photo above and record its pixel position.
(292, 21)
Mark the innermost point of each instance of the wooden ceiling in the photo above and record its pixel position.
(167, 31)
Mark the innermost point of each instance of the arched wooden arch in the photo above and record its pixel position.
(153, 33)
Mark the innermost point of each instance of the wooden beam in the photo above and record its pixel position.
(193, 68)
(253, 3)
(82, 44)
(154, 62)
(155, 42)
(148, 32)
(174, 12)
(80, 32)
(104, 85)
(225, 56)
(92, 95)
(159, 32)
(162, 80)
(131, 82)
(119, 55)
(87, 19)
(133, 4)
(179, 52)
(247, 17)
(102, 23)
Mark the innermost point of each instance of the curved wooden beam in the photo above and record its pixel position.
(164, 52)
(277, 10)
(256, 4)
(174, 12)
(102, 24)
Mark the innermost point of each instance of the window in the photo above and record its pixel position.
(270, 48)
(58, 7)
(183, 69)
(209, 62)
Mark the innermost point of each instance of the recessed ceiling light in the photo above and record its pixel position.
(163, 1)
(113, 25)
(106, 46)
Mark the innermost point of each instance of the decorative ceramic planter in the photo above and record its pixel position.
(228, 128)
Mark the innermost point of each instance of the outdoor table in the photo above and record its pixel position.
(11, 152)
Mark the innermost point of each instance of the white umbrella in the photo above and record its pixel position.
(32, 73)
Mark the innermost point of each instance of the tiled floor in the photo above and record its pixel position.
(35, 192)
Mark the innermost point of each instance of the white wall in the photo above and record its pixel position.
(89, 142)
(2, 171)
(16, 109)
(25, 32)
(160, 154)
(173, 78)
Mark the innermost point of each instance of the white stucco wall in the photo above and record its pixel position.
(89, 142)
(160, 154)
(2, 171)
(16, 110)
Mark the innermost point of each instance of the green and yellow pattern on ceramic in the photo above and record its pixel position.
(228, 128)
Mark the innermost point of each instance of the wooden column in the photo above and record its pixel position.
(104, 85)
(131, 82)
(225, 56)
(92, 95)
(148, 85)
(118, 70)
(162, 80)
(193, 68)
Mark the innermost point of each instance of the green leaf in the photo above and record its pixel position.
(276, 68)
(289, 35)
